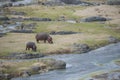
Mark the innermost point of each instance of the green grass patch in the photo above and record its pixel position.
(53, 12)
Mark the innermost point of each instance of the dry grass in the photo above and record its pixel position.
(15, 42)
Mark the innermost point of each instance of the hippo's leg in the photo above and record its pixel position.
(37, 41)
(44, 41)
(26, 48)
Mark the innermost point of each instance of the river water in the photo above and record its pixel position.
(79, 65)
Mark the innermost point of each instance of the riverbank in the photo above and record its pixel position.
(83, 66)
(27, 67)
(73, 29)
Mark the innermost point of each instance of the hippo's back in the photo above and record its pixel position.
(42, 36)
(30, 44)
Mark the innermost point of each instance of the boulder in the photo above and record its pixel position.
(18, 19)
(22, 31)
(112, 39)
(59, 65)
(24, 55)
(113, 2)
(2, 34)
(54, 64)
(5, 76)
(63, 32)
(4, 18)
(81, 48)
(25, 74)
(93, 18)
(39, 19)
(6, 4)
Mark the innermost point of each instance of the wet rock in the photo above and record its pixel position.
(25, 74)
(3, 18)
(59, 65)
(54, 64)
(5, 76)
(35, 68)
(93, 18)
(2, 34)
(107, 76)
(6, 4)
(82, 48)
(112, 39)
(2, 76)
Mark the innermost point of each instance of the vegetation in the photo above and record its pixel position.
(94, 34)
(90, 33)
(53, 12)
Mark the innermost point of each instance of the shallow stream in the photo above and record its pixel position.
(79, 65)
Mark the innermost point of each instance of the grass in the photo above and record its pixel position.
(93, 34)
(16, 69)
(53, 12)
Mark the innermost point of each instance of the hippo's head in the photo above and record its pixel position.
(50, 40)
(34, 48)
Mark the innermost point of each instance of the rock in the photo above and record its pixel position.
(113, 2)
(2, 34)
(46, 65)
(63, 32)
(5, 76)
(59, 65)
(39, 19)
(6, 4)
(30, 26)
(24, 56)
(25, 74)
(2, 76)
(53, 3)
(71, 1)
(18, 19)
(113, 75)
(3, 18)
(112, 39)
(54, 64)
(93, 18)
(35, 68)
(82, 48)
(22, 31)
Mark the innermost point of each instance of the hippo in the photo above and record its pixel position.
(31, 45)
(44, 37)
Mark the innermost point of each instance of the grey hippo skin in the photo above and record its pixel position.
(44, 37)
(31, 45)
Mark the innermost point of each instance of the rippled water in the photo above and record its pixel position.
(78, 65)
